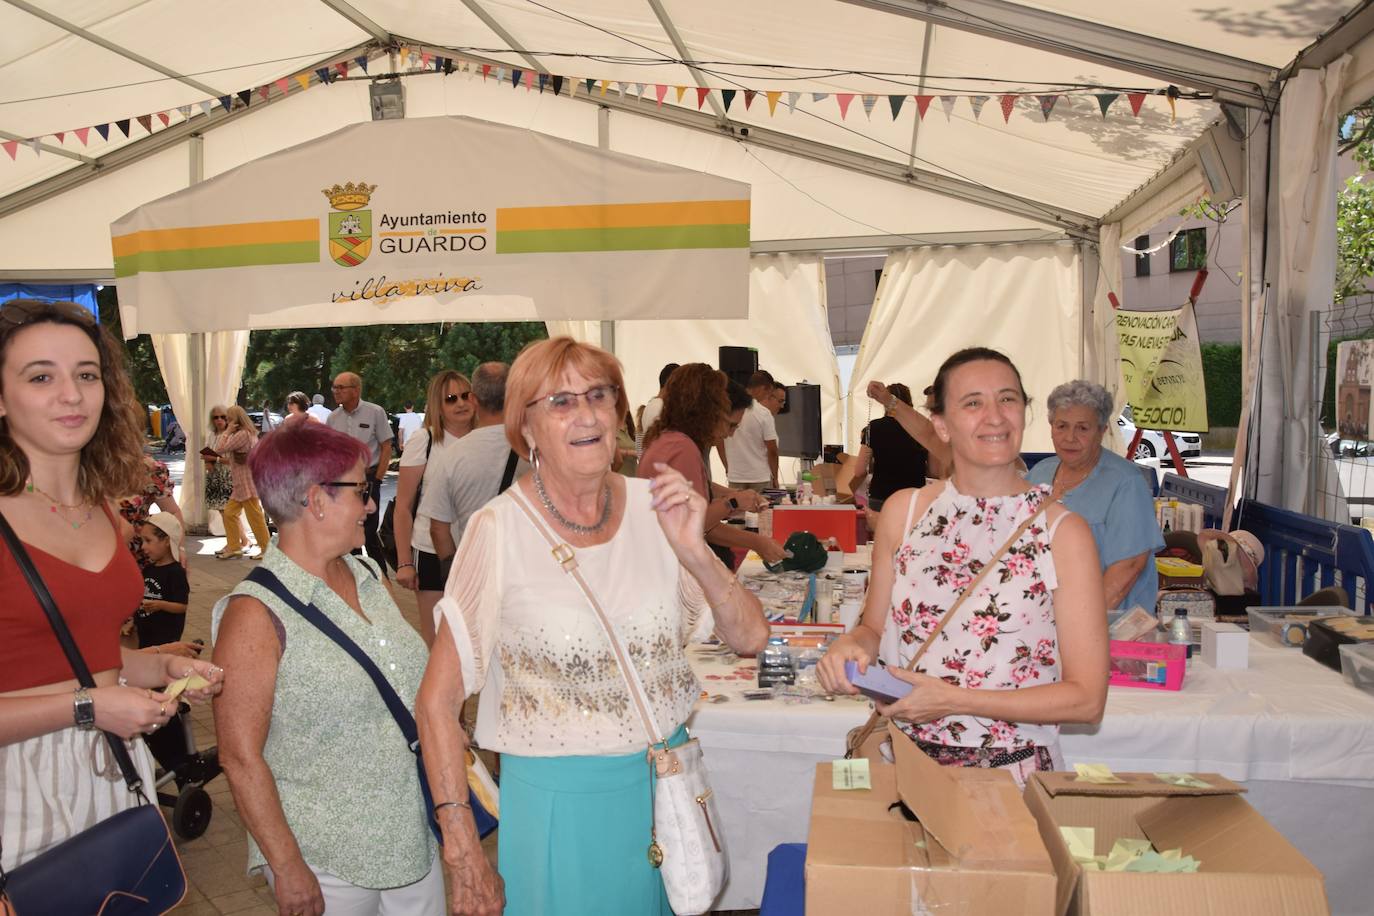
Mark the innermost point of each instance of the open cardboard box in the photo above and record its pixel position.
(1248, 868)
(975, 850)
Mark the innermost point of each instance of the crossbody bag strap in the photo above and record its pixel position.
(69, 648)
(508, 477)
(867, 728)
(564, 556)
(405, 721)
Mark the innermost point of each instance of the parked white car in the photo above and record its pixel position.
(1151, 444)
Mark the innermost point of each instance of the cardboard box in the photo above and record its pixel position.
(1225, 645)
(975, 849)
(1247, 867)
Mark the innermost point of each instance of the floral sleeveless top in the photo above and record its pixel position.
(1003, 637)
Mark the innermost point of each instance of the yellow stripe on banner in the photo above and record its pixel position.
(264, 233)
(623, 216)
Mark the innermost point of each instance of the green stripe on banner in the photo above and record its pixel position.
(634, 238)
(212, 258)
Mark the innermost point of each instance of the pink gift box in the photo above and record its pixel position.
(1154, 666)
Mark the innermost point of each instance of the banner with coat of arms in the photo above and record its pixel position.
(434, 219)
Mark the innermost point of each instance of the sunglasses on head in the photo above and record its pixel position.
(455, 398)
(18, 312)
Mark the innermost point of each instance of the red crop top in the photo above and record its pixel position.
(93, 604)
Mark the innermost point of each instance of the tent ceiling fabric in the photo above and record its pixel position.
(54, 80)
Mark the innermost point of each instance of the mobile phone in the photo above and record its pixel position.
(876, 682)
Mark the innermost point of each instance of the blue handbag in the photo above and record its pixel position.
(127, 864)
(486, 823)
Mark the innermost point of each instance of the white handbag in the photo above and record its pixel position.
(684, 844)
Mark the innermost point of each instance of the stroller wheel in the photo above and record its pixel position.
(191, 813)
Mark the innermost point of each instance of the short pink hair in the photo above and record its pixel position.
(541, 364)
(296, 456)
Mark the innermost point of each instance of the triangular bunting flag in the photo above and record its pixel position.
(947, 103)
(529, 80)
(515, 77)
(895, 102)
(103, 130)
(500, 74)
(976, 102)
(749, 98)
(361, 62)
(82, 133)
(244, 96)
(146, 122)
(1047, 105)
(869, 101)
(184, 111)
(844, 98)
(226, 102)
(11, 147)
(819, 96)
(206, 107)
(573, 83)
(425, 57)
(792, 98)
(1136, 99)
(681, 91)
(123, 126)
(702, 93)
(162, 116)
(557, 85)
(543, 80)
(61, 135)
(342, 68)
(604, 85)
(1008, 103)
(323, 74)
(660, 91)
(591, 84)
(486, 70)
(283, 85)
(923, 104)
(727, 96)
(639, 91)
(263, 91)
(303, 79)
(1105, 100)
(1173, 107)
(772, 101)
(36, 144)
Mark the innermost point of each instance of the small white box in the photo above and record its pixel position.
(1225, 645)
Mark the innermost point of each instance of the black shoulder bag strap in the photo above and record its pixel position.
(404, 720)
(509, 476)
(64, 638)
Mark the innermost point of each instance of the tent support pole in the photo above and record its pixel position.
(603, 142)
(193, 474)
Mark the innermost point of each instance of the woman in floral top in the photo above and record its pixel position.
(157, 491)
(1028, 650)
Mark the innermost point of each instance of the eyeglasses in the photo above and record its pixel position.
(362, 487)
(562, 403)
(340, 387)
(455, 398)
(218, 416)
(19, 312)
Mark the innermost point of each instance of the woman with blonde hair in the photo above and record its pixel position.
(233, 448)
(448, 417)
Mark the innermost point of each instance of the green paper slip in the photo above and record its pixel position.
(850, 774)
(1080, 843)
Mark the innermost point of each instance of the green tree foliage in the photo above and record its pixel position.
(1222, 372)
(138, 353)
(1355, 226)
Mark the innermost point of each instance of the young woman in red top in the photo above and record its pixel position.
(70, 442)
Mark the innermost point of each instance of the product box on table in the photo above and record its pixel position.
(1247, 867)
(838, 522)
(1153, 665)
(1326, 635)
(975, 850)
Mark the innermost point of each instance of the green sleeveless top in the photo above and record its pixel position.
(346, 778)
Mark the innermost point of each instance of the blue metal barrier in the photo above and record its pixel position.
(1209, 496)
(1303, 554)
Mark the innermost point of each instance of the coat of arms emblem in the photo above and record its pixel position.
(350, 228)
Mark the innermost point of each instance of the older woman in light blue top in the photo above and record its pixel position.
(1106, 489)
(321, 773)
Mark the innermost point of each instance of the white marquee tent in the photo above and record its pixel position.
(972, 139)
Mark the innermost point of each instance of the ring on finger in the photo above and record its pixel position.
(162, 709)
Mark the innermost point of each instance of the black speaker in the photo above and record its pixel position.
(738, 363)
(799, 423)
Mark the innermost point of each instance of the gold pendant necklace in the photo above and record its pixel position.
(56, 504)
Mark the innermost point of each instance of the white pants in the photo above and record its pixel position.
(423, 898)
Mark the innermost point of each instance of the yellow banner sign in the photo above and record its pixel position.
(1161, 364)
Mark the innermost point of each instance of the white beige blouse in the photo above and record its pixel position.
(527, 639)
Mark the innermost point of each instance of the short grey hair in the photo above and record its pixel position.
(1081, 393)
(489, 386)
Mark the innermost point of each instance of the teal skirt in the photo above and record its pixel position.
(574, 836)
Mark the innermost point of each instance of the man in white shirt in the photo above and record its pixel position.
(653, 408)
(751, 452)
(317, 409)
(470, 474)
(407, 422)
(369, 424)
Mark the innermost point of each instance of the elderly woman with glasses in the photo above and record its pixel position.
(323, 779)
(1108, 491)
(448, 418)
(575, 806)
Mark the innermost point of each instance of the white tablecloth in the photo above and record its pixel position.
(1297, 734)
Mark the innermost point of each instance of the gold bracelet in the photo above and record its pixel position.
(734, 584)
